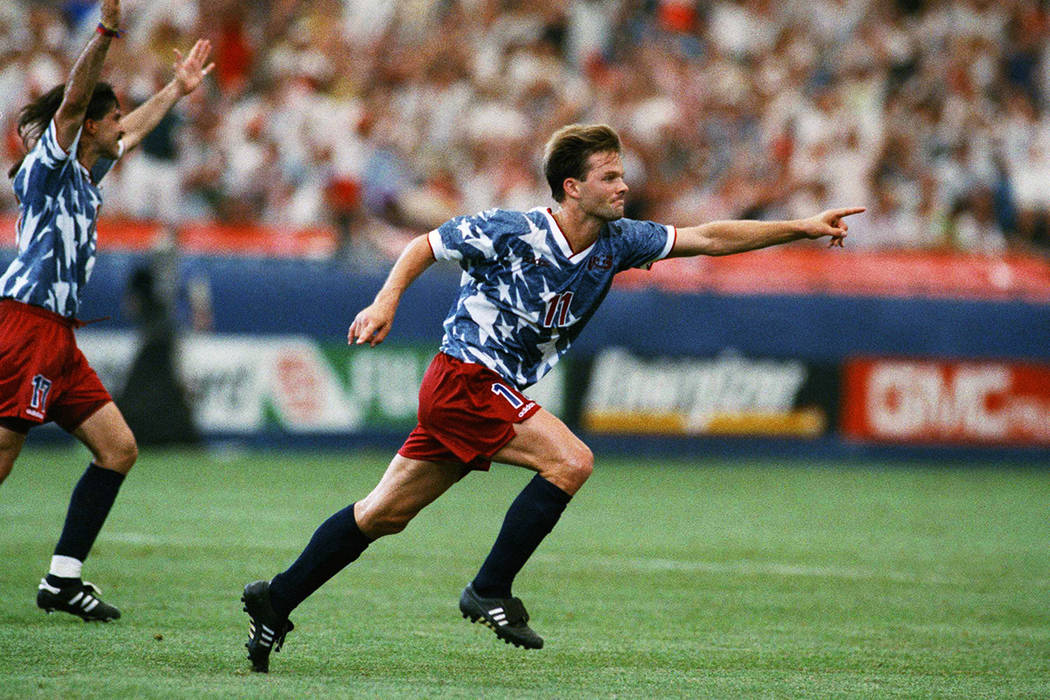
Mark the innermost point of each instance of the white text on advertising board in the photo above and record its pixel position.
(968, 401)
(728, 394)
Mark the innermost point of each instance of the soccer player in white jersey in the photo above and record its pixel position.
(73, 134)
(531, 280)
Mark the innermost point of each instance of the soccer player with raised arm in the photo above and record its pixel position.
(531, 281)
(73, 133)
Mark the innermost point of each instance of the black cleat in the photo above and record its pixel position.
(81, 599)
(506, 617)
(265, 630)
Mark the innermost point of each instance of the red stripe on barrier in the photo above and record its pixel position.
(801, 270)
(793, 269)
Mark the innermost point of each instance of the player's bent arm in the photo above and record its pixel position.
(373, 322)
(189, 72)
(728, 237)
(144, 118)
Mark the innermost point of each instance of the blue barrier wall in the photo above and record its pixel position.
(276, 296)
(320, 300)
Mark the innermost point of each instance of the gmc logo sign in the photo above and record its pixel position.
(941, 401)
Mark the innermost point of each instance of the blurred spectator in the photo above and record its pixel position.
(152, 178)
(888, 224)
(380, 118)
(973, 224)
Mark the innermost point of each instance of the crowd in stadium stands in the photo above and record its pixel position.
(381, 118)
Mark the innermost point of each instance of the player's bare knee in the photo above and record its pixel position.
(391, 524)
(377, 521)
(119, 456)
(581, 464)
(572, 468)
(383, 525)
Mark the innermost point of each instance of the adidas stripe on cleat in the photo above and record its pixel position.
(81, 600)
(265, 630)
(505, 616)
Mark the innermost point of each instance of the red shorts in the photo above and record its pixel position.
(467, 414)
(43, 375)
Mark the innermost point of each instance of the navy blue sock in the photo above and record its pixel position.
(336, 543)
(529, 519)
(89, 505)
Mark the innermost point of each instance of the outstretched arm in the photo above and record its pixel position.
(189, 72)
(373, 322)
(727, 237)
(83, 77)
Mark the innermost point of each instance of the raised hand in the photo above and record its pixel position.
(190, 70)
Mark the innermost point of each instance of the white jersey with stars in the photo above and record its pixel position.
(525, 295)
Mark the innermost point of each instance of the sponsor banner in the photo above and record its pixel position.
(234, 381)
(724, 395)
(963, 402)
(245, 384)
(384, 381)
(239, 383)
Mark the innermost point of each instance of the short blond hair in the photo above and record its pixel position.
(568, 149)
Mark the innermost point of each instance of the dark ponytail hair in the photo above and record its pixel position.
(35, 117)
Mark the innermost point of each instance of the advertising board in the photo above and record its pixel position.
(247, 384)
(943, 401)
(724, 395)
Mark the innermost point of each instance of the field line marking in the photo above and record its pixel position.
(749, 567)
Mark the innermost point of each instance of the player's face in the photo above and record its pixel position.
(603, 192)
(108, 133)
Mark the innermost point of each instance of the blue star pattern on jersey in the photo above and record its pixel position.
(524, 294)
(56, 234)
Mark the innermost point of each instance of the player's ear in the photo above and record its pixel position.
(90, 126)
(571, 186)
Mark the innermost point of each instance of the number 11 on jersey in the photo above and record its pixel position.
(558, 310)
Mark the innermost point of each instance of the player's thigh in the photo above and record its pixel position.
(407, 487)
(545, 444)
(107, 435)
(10, 447)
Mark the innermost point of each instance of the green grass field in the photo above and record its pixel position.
(684, 579)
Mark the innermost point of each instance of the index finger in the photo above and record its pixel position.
(356, 327)
(356, 331)
(848, 211)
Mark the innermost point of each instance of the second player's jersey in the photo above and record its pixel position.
(59, 203)
(525, 294)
